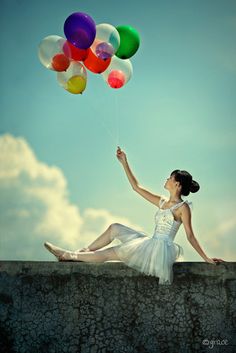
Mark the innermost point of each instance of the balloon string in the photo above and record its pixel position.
(108, 130)
(102, 122)
(117, 121)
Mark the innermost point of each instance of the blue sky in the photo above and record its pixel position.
(177, 111)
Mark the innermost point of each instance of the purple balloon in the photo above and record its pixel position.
(80, 30)
(104, 50)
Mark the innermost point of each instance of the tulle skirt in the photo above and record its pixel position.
(153, 256)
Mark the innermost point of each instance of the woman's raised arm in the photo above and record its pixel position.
(153, 198)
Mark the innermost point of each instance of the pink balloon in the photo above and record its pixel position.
(116, 79)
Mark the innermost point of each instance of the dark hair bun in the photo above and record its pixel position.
(194, 186)
(186, 181)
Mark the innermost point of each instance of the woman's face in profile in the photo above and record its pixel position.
(169, 181)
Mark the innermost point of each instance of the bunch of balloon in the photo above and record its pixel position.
(120, 69)
(102, 49)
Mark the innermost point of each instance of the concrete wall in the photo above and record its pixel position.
(69, 307)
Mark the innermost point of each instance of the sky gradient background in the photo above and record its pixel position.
(60, 180)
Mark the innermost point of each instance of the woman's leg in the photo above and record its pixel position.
(103, 240)
(92, 256)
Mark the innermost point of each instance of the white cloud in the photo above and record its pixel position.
(34, 206)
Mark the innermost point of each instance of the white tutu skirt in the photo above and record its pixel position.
(153, 256)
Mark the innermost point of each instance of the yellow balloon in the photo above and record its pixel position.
(76, 84)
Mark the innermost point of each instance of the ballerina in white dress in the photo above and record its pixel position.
(154, 255)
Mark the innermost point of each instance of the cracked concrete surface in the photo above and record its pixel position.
(69, 307)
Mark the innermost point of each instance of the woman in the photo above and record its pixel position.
(150, 255)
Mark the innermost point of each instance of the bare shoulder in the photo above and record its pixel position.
(160, 198)
(185, 207)
(185, 210)
(163, 197)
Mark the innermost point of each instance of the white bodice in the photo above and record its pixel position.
(166, 225)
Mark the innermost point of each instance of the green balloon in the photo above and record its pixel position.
(129, 42)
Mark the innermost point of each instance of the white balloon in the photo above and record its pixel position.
(48, 48)
(107, 41)
(123, 68)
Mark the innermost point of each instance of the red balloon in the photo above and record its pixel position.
(116, 79)
(60, 62)
(94, 64)
(74, 53)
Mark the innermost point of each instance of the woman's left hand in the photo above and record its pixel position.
(217, 260)
(213, 260)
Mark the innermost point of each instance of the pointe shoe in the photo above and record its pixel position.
(55, 250)
(61, 254)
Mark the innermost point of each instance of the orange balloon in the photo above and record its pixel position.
(94, 64)
(74, 53)
(60, 62)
